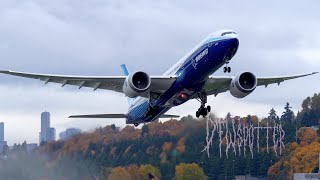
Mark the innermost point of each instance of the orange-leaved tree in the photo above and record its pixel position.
(307, 135)
(304, 159)
(119, 173)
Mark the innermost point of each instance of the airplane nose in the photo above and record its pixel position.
(231, 45)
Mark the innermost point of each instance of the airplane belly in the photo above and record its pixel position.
(180, 98)
(137, 114)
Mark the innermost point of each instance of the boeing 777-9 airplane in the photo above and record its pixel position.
(150, 97)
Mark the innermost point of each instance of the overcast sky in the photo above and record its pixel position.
(95, 37)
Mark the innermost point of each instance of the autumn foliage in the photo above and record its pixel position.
(306, 136)
(174, 148)
(300, 158)
(189, 172)
(133, 172)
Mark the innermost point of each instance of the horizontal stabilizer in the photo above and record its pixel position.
(115, 116)
(169, 116)
(100, 116)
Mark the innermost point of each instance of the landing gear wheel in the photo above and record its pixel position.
(136, 124)
(197, 114)
(151, 111)
(208, 108)
(203, 110)
(227, 69)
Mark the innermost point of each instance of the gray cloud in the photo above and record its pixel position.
(95, 37)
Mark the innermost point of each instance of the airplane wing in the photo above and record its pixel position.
(220, 84)
(114, 83)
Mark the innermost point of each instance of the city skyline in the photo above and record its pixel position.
(46, 134)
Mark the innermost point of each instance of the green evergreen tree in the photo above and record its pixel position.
(287, 115)
(273, 115)
(310, 114)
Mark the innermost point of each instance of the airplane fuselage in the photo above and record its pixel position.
(192, 72)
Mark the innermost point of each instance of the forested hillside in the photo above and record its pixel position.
(173, 149)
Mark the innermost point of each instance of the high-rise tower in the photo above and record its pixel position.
(47, 133)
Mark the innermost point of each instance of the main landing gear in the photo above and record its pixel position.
(136, 124)
(151, 111)
(203, 110)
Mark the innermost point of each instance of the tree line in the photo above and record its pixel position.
(173, 149)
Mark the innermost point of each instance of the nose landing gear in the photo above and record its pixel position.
(227, 69)
(203, 110)
(227, 58)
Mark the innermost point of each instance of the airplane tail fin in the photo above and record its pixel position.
(125, 70)
(126, 73)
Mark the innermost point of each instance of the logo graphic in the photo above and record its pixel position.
(240, 137)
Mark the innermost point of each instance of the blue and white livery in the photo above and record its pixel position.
(150, 97)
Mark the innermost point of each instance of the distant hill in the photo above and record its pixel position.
(173, 149)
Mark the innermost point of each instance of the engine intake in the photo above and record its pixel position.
(136, 84)
(243, 84)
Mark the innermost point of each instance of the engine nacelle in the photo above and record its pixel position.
(243, 84)
(136, 84)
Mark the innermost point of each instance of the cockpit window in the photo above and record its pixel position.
(225, 33)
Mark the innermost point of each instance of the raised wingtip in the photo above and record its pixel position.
(315, 72)
(4, 71)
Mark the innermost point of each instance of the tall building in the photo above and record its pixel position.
(69, 133)
(2, 142)
(47, 133)
(51, 134)
(1, 132)
(45, 124)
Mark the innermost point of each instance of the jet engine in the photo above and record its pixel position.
(136, 84)
(243, 84)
